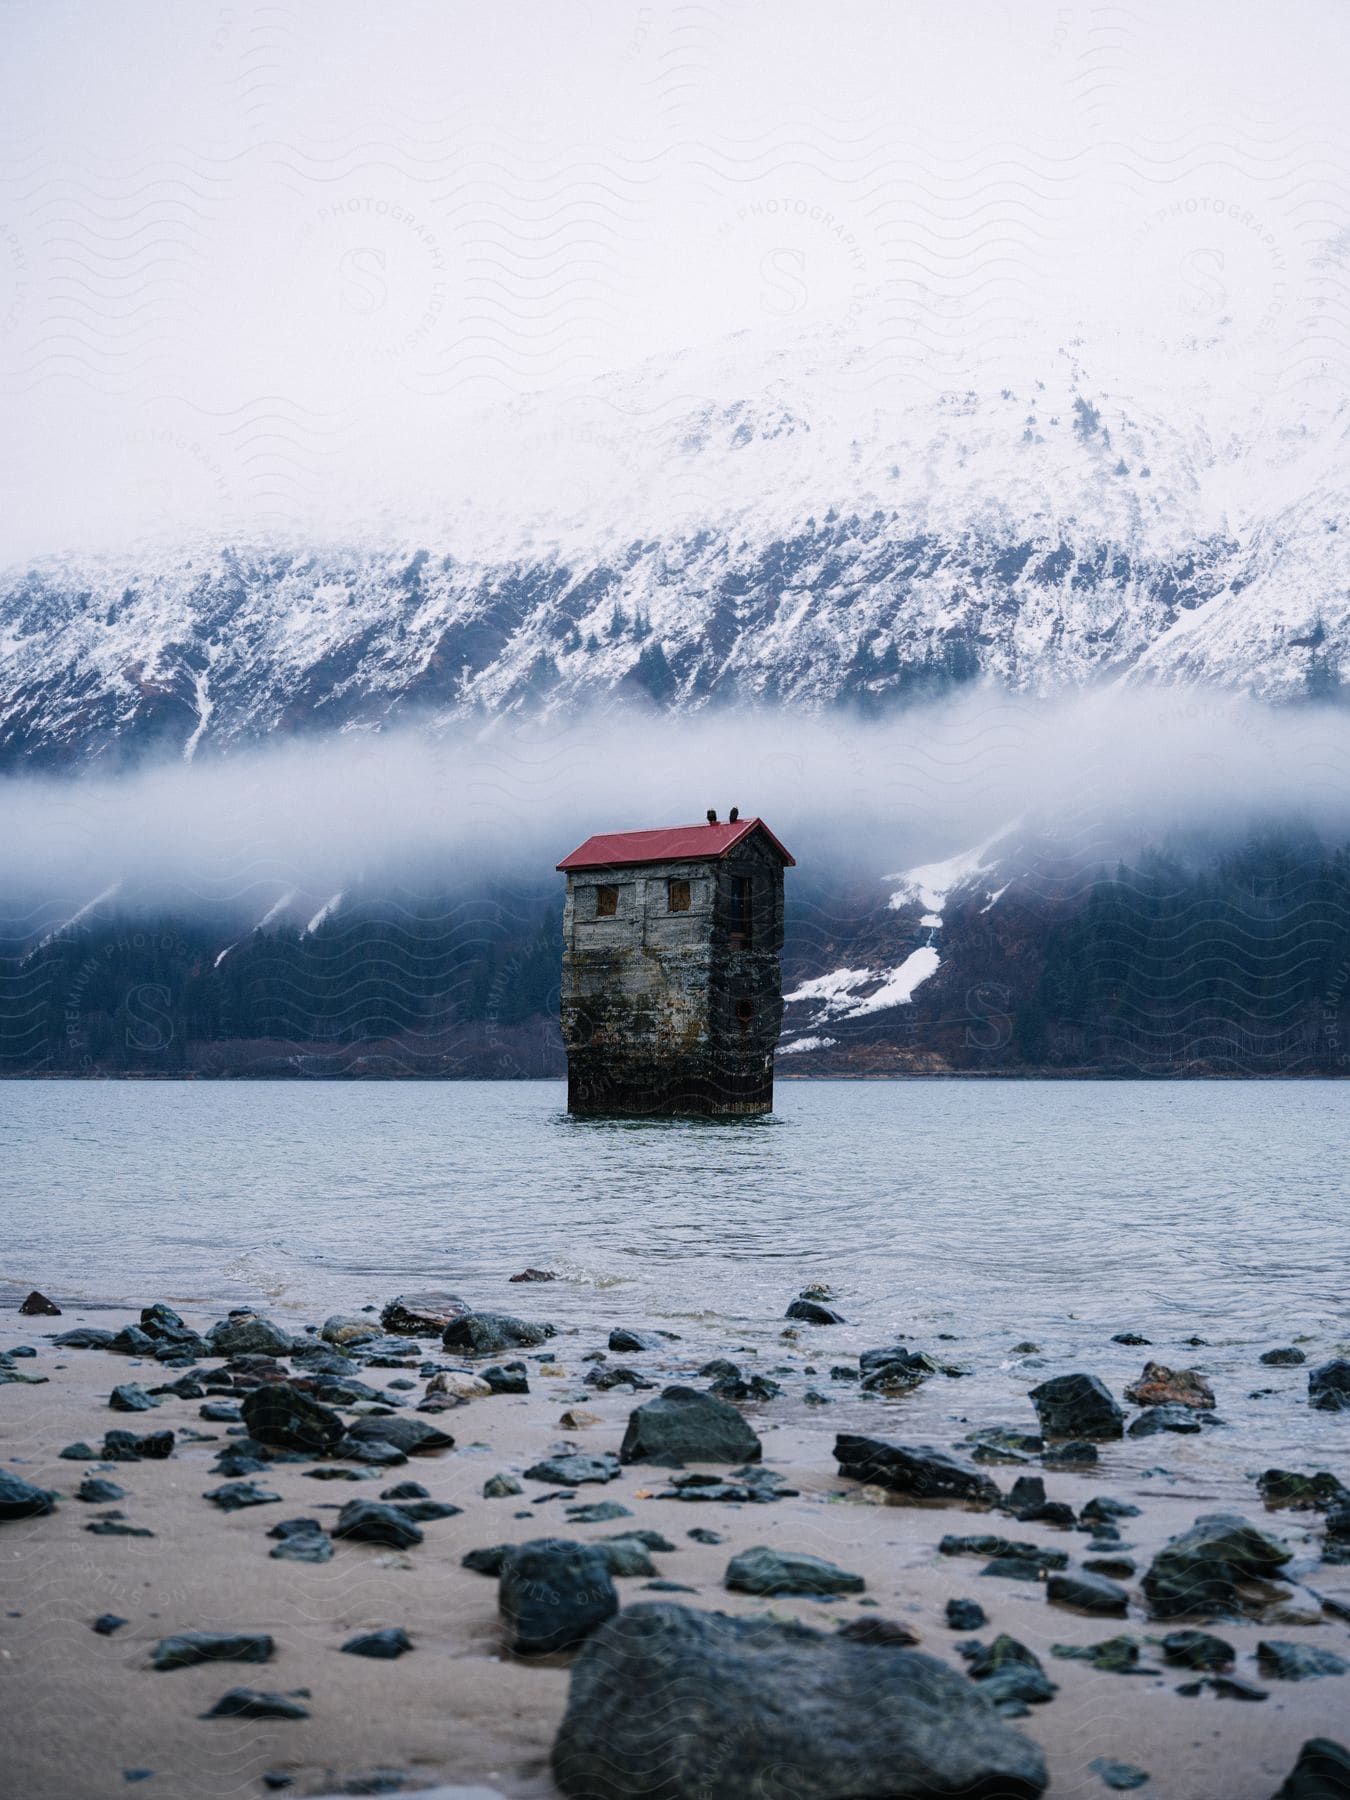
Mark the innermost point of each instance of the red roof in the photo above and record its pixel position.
(678, 843)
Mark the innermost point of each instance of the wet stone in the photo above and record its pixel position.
(682, 1425)
(1329, 1386)
(385, 1645)
(1203, 1570)
(107, 1623)
(130, 1396)
(250, 1703)
(811, 1312)
(1074, 1451)
(376, 1522)
(1164, 1418)
(250, 1334)
(1288, 1356)
(764, 1571)
(917, 1470)
(626, 1342)
(1297, 1662)
(965, 1615)
(1087, 1593)
(1322, 1772)
(191, 1647)
(503, 1486)
(507, 1378)
(98, 1491)
(1161, 1386)
(235, 1495)
(125, 1446)
(292, 1420)
(486, 1334)
(1197, 1650)
(20, 1499)
(845, 1718)
(597, 1512)
(573, 1469)
(414, 1437)
(554, 1593)
(85, 1337)
(1077, 1406)
(422, 1314)
(1119, 1775)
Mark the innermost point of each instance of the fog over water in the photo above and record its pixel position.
(1100, 773)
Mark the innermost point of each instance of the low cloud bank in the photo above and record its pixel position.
(1102, 772)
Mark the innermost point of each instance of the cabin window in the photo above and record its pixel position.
(677, 896)
(606, 902)
(745, 1012)
(742, 912)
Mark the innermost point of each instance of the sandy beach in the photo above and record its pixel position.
(87, 1716)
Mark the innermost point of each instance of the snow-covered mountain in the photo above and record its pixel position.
(776, 521)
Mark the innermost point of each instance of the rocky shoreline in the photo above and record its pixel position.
(548, 1561)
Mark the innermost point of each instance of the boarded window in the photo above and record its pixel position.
(606, 902)
(677, 896)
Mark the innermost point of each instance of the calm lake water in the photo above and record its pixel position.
(995, 1212)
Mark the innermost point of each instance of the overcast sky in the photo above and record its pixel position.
(251, 254)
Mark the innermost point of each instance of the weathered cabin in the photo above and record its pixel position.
(672, 997)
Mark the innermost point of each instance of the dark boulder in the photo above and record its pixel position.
(552, 1593)
(39, 1306)
(605, 1377)
(916, 1470)
(390, 1642)
(1205, 1569)
(1329, 1386)
(1002, 1549)
(414, 1437)
(742, 1701)
(627, 1342)
(1154, 1419)
(1010, 1676)
(488, 1334)
(130, 1396)
(894, 1370)
(765, 1571)
(510, 1378)
(1161, 1386)
(811, 1312)
(682, 1426)
(1297, 1662)
(1284, 1487)
(1288, 1356)
(1087, 1593)
(535, 1275)
(125, 1446)
(421, 1315)
(19, 1499)
(965, 1615)
(290, 1419)
(572, 1468)
(1198, 1650)
(132, 1341)
(192, 1647)
(1077, 1406)
(85, 1337)
(246, 1333)
(1322, 1772)
(234, 1496)
(97, 1492)
(249, 1703)
(376, 1522)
